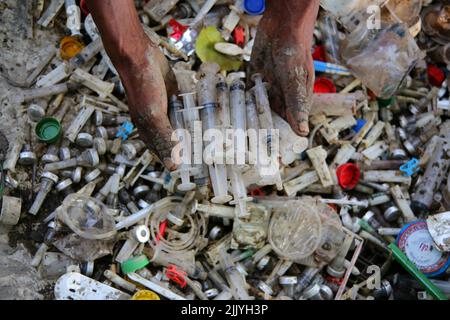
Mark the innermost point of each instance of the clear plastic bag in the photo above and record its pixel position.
(87, 217)
(381, 58)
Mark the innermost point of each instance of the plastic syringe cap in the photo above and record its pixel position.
(324, 85)
(254, 7)
(348, 175)
(359, 124)
(435, 75)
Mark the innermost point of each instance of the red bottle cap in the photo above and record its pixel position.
(348, 175)
(319, 54)
(435, 75)
(323, 85)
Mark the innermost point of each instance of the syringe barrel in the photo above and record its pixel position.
(252, 113)
(238, 108)
(207, 94)
(175, 114)
(262, 104)
(223, 100)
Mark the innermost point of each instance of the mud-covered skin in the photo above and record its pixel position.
(144, 71)
(282, 53)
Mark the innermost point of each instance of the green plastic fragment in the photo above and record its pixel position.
(134, 264)
(204, 47)
(429, 286)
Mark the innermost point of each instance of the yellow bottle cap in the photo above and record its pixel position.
(145, 295)
(70, 46)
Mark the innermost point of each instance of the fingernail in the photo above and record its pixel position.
(303, 128)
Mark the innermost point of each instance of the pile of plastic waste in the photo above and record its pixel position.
(358, 210)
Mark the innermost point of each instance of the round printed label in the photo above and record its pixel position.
(416, 242)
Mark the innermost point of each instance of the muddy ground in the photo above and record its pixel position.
(21, 49)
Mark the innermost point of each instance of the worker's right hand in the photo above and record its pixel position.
(144, 71)
(282, 54)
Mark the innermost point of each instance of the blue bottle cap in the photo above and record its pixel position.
(416, 242)
(254, 7)
(359, 124)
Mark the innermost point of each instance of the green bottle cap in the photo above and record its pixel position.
(133, 264)
(48, 130)
(382, 103)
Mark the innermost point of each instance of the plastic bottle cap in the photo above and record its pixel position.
(48, 130)
(385, 102)
(145, 295)
(348, 175)
(359, 124)
(70, 46)
(133, 264)
(254, 7)
(324, 85)
(435, 75)
(416, 242)
(319, 53)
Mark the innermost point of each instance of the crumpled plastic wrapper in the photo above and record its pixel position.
(84, 250)
(381, 58)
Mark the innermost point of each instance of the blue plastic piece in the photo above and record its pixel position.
(359, 124)
(125, 130)
(411, 167)
(320, 66)
(254, 7)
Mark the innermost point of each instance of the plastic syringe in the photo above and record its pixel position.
(207, 96)
(266, 122)
(191, 116)
(239, 120)
(176, 120)
(223, 99)
(239, 124)
(234, 278)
